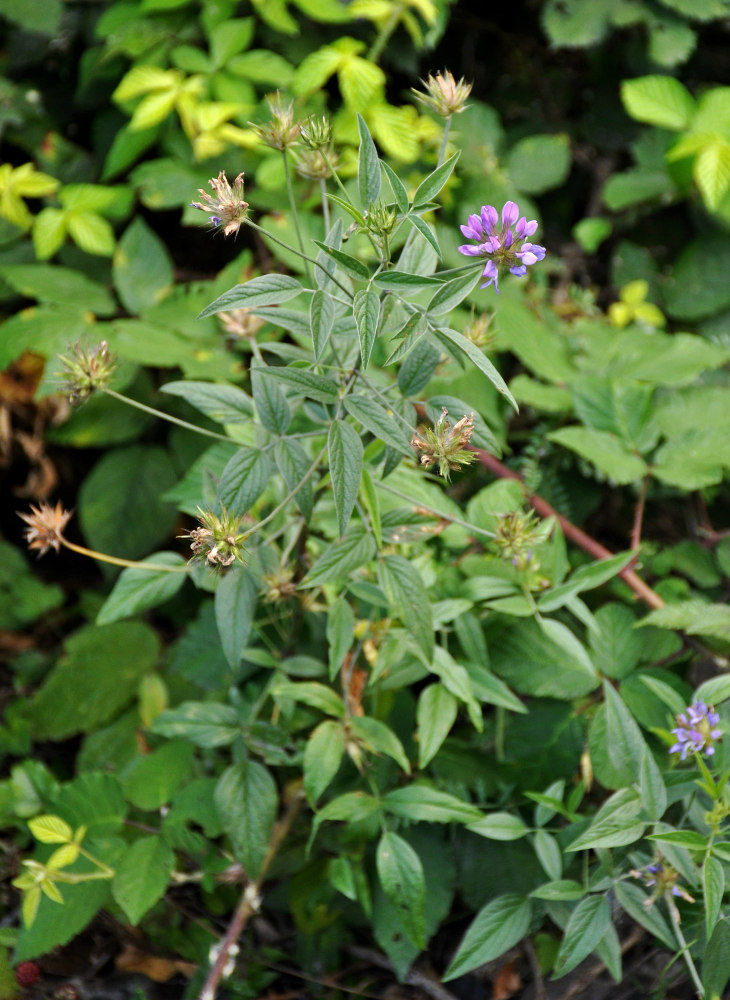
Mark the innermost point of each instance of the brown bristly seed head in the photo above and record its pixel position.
(45, 527)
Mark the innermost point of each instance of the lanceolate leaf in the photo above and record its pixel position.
(345, 458)
(350, 265)
(378, 421)
(366, 308)
(266, 290)
(399, 192)
(294, 463)
(137, 590)
(235, 603)
(431, 185)
(321, 318)
(244, 479)
(368, 167)
(497, 927)
(304, 383)
(585, 929)
(477, 357)
(271, 403)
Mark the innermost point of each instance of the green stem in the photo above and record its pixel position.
(433, 510)
(291, 249)
(444, 140)
(294, 213)
(384, 34)
(499, 729)
(684, 951)
(165, 416)
(291, 494)
(325, 204)
(336, 176)
(118, 561)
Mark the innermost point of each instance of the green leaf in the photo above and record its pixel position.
(431, 186)
(418, 368)
(497, 927)
(142, 874)
(345, 461)
(426, 231)
(587, 926)
(435, 715)
(452, 293)
(713, 886)
(305, 383)
(401, 875)
(142, 268)
(235, 605)
(50, 830)
(247, 801)
(626, 746)
(477, 357)
(264, 290)
(91, 233)
(658, 100)
(419, 802)
(366, 309)
(322, 758)
(205, 724)
(634, 901)
(616, 824)
(652, 790)
(152, 781)
(271, 403)
(379, 738)
(244, 479)
(340, 559)
(96, 677)
(716, 961)
(226, 404)
(321, 320)
(615, 644)
(588, 577)
(603, 450)
(376, 419)
(711, 171)
(406, 593)
(293, 463)
(538, 163)
(563, 889)
(399, 192)
(350, 265)
(548, 853)
(499, 826)
(368, 166)
(714, 691)
(340, 633)
(402, 281)
(62, 285)
(311, 693)
(533, 663)
(140, 589)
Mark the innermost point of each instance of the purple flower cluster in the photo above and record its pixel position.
(696, 731)
(505, 246)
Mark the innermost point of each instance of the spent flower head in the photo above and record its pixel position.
(662, 878)
(240, 324)
(314, 165)
(281, 131)
(45, 527)
(226, 204)
(86, 369)
(442, 94)
(505, 245)
(444, 445)
(696, 731)
(477, 330)
(517, 535)
(218, 542)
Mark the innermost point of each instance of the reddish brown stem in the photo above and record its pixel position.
(571, 531)
(638, 520)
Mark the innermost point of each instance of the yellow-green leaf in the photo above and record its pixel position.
(91, 232)
(50, 830)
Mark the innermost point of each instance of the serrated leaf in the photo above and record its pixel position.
(587, 926)
(50, 830)
(293, 464)
(138, 590)
(226, 404)
(340, 633)
(271, 403)
(142, 874)
(305, 383)
(345, 460)
(406, 592)
(246, 799)
(244, 479)
(235, 604)
(711, 171)
(366, 309)
(322, 757)
(658, 100)
(340, 559)
(435, 715)
(264, 290)
(604, 450)
(378, 737)
(311, 693)
(204, 724)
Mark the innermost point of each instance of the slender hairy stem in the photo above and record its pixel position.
(294, 213)
(444, 140)
(165, 416)
(571, 531)
(291, 494)
(250, 901)
(472, 528)
(336, 176)
(684, 950)
(118, 561)
(325, 204)
(304, 256)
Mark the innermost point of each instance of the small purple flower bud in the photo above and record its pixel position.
(489, 218)
(510, 212)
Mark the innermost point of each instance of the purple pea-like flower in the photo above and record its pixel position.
(696, 731)
(506, 245)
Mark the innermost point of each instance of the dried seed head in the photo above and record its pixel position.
(218, 542)
(240, 324)
(45, 527)
(444, 445)
(226, 204)
(443, 95)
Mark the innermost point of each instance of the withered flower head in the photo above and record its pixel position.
(86, 369)
(316, 132)
(314, 165)
(281, 131)
(444, 445)
(443, 95)
(218, 542)
(226, 203)
(279, 585)
(45, 527)
(240, 323)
